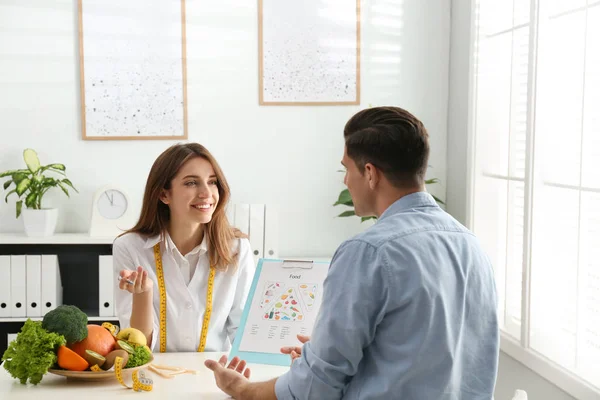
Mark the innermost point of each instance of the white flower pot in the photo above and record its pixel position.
(40, 222)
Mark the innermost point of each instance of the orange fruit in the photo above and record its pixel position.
(68, 359)
(99, 339)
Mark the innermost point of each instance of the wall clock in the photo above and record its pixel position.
(112, 212)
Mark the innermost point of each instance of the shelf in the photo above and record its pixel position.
(59, 238)
(23, 319)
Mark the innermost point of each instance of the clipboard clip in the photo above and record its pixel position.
(304, 264)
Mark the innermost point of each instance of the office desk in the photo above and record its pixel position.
(180, 387)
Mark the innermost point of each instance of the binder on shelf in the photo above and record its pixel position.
(18, 286)
(33, 266)
(242, 217)
(230, 213)
(256, 230)
(5, 287)
(52, 291)
(106, 287)
(271, 232)
(10, 337)
(260, 223)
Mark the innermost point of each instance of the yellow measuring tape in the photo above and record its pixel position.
(163, 303)
(113, 329)
(140, 381)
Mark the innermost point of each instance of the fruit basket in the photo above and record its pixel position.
(98, 375)
(64, 344)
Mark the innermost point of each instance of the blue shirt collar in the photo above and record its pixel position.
(413, 200)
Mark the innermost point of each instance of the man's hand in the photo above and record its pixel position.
(295, 351)
(233, 379)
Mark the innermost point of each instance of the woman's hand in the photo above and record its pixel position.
(135, 281)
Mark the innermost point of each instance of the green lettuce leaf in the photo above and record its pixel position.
(141, 355)
(32, 353)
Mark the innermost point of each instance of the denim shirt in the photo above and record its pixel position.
(409, 311)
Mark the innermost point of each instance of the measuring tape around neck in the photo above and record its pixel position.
(163, 303)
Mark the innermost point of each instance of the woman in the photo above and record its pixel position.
(184, 271)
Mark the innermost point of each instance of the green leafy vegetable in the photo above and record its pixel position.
(141, 355)
(67, 320)
(31, 354)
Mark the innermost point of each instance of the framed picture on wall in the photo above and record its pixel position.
(133, 69)
(309, 52)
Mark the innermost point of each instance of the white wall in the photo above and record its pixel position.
(512, 374)
(283, 155)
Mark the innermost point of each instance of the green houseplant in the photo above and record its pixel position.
(344, 199)
(30, 185)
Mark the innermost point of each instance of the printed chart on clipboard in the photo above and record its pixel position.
(284, 301)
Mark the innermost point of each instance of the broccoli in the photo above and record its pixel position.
(68, 321)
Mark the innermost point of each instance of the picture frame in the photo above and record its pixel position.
(309, 52)
(133, 72)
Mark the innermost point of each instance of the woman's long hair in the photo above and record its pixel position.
(154, 216)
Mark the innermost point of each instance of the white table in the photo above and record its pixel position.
(184, 386)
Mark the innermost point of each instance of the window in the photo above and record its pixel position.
(536, 179)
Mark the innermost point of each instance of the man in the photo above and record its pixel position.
(409, 305)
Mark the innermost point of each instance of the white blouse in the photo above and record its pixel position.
(186, 281)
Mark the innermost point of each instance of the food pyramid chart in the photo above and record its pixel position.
(286, 308)
(271, 292)
(308, 292)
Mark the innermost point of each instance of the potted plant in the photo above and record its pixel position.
(346, 200)
(32, 183)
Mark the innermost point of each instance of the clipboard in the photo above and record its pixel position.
(270, 321)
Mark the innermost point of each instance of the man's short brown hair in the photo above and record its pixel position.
(393, 140)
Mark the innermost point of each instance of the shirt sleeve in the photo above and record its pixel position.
(123, 299)
(246, 268)
(355, 295)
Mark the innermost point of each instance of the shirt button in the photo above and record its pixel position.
(188, 306)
